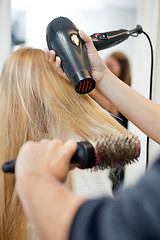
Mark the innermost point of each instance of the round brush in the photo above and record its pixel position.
(116, 150)
(110, 150)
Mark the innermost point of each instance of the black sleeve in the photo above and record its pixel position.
(135, 215)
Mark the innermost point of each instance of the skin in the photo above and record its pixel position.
(98, 96)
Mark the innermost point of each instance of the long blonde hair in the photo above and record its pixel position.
(36, 103)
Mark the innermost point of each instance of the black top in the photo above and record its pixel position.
(135, 215)
(123, 120)
(117, 175)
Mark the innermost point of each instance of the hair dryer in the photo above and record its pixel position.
(62, 37)
(109, 39)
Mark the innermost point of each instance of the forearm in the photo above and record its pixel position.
(135, 107)
(48, 205)
(103, 102)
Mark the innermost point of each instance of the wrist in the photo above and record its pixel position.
(23, 182)
(104, 78)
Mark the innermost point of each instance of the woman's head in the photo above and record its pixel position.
(37, 103)
(118, 63)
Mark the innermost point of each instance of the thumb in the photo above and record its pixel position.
(71, 147)
(88, 41)
(85, 37)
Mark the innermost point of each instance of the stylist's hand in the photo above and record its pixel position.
(98, 66)
(55, 62)
(50, 158)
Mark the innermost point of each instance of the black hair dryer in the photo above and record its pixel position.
(62, 37)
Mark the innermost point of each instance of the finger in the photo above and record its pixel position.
(59, 68)
(47, 54)
(71, 147)
(57, 141)
(71, 144)
(24, 151)
(42, 141)
(61, 73)
(27, 146)
(65, 76)
(58, 62)
(88, 41)
(85, 37)
(52, 56)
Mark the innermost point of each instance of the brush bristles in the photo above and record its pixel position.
(116, 150)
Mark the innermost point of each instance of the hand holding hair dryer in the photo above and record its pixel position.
(62, 37)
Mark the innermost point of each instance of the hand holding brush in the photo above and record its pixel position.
(109, 151)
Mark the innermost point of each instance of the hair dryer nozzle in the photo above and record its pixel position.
(85, 86)
(83, 82)
(63, 37)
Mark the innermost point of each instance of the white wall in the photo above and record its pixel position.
(148, 15)
(5, 31)
(91, 16)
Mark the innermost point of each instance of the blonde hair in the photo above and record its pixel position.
(36, 103)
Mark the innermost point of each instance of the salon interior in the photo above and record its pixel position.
(24, 22)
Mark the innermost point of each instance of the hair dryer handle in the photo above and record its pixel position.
(109, 39)
(9, 167)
